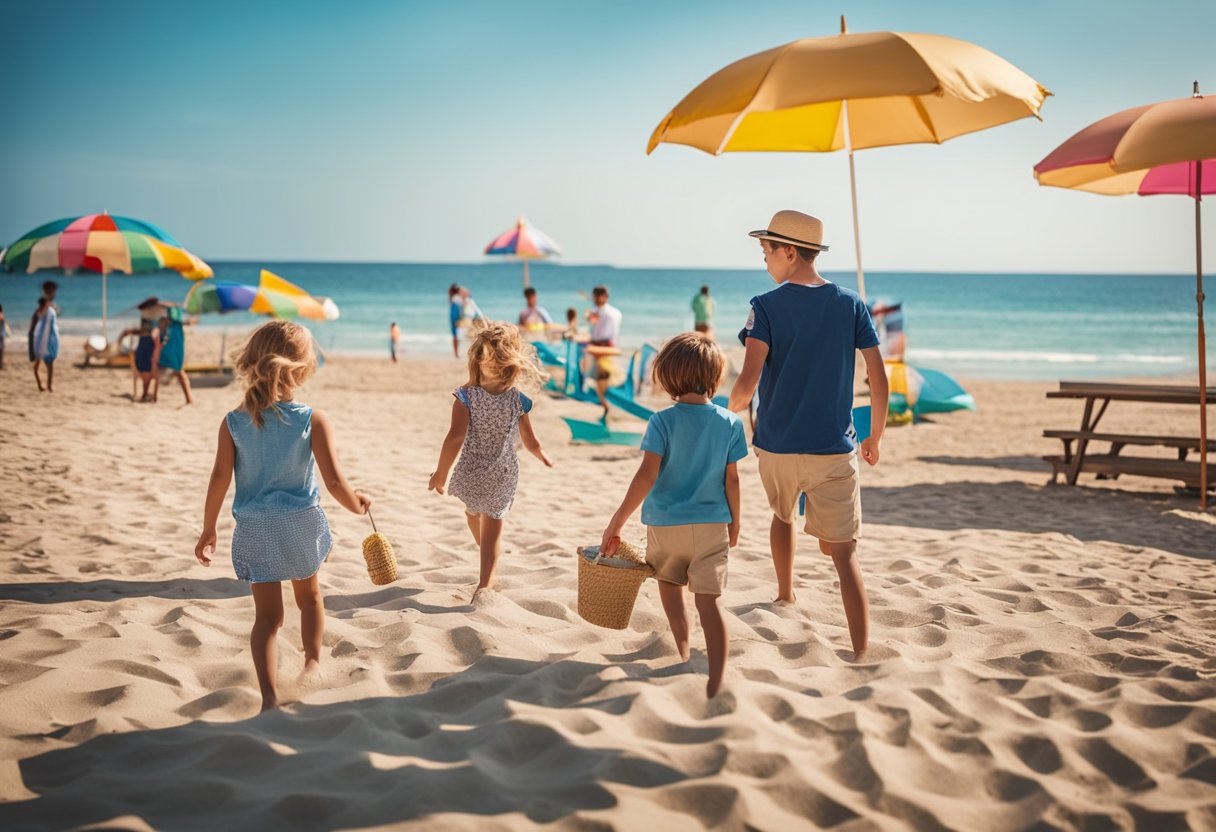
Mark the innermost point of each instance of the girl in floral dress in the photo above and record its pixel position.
(488, 415)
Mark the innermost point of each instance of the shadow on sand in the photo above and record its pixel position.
(60, 592)
(1147, 520)
(1033, 464)
(459, 747)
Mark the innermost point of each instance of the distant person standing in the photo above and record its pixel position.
(535, 319)
(394, 338)
(702, 311)
(147, 350)
(455, 315)
(572, 332)
(172, 351)
(605, 332)
(49, 289)
(46, 343)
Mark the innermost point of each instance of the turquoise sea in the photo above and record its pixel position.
(1000, 326)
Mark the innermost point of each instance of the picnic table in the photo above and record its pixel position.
(1097, 397)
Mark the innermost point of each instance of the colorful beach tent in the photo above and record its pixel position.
(916, 391)
(273, 296)
(526, 242)
(851, 91)
(574, 386)
(1163, 148)
(101, 243)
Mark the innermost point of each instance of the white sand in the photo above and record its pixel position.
(1039, 655)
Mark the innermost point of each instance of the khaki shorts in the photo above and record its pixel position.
(692, 555)
(833, 493)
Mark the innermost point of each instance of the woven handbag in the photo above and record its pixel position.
(378, 552)
(608, 586)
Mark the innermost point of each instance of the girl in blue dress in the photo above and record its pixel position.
(172, 356)
(271, 442)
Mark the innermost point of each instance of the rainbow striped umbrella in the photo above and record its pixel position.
(273, 296)
(101, 243)
(525, 241)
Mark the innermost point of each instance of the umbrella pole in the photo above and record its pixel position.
(848, 140)
(104, 334)
(1203, 350)
(527, 282)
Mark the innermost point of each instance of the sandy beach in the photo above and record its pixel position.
(1041, 657)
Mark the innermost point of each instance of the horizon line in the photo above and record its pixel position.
(845, 271)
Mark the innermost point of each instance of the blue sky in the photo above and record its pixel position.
(407, 131)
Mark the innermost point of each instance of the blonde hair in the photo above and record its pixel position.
(499, 353)
(689, 363)
(278, 358)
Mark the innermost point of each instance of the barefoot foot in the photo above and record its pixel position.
(312, 675)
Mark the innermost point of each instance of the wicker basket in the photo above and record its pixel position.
(608, 586)
(381, 562)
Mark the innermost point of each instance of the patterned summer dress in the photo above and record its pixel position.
(488, 471)
(281, 531)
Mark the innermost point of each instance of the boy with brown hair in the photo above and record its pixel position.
(801, 340)
(689, 483)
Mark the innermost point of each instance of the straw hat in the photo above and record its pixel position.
(795, 229)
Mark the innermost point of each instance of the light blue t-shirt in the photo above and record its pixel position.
(806, 386)
(696, 442)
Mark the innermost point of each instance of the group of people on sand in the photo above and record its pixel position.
(800, 340)
(160, 347)
(161, 343)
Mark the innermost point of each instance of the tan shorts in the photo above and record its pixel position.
(833, 494)
(692, 555)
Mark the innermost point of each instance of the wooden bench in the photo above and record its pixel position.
(1113, 465)
(1183, 444)
(1097, 396)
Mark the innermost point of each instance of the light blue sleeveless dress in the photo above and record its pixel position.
(173, 341)
(281, 531)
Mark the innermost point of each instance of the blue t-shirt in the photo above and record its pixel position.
(696, 442)
(806, 386)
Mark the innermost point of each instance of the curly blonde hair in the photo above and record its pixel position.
(278, 358)
(499, 353)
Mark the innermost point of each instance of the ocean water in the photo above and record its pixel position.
(1005, 326)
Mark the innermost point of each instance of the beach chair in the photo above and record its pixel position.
(547, 356)
(101, 353)
(575, 387)
(597, 433)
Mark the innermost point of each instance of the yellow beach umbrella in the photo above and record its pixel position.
(851, 91)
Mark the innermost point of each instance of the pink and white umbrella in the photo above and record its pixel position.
(525, 241)
(1163, 148)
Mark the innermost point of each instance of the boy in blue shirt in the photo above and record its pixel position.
(690, 483)
(801, 339)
